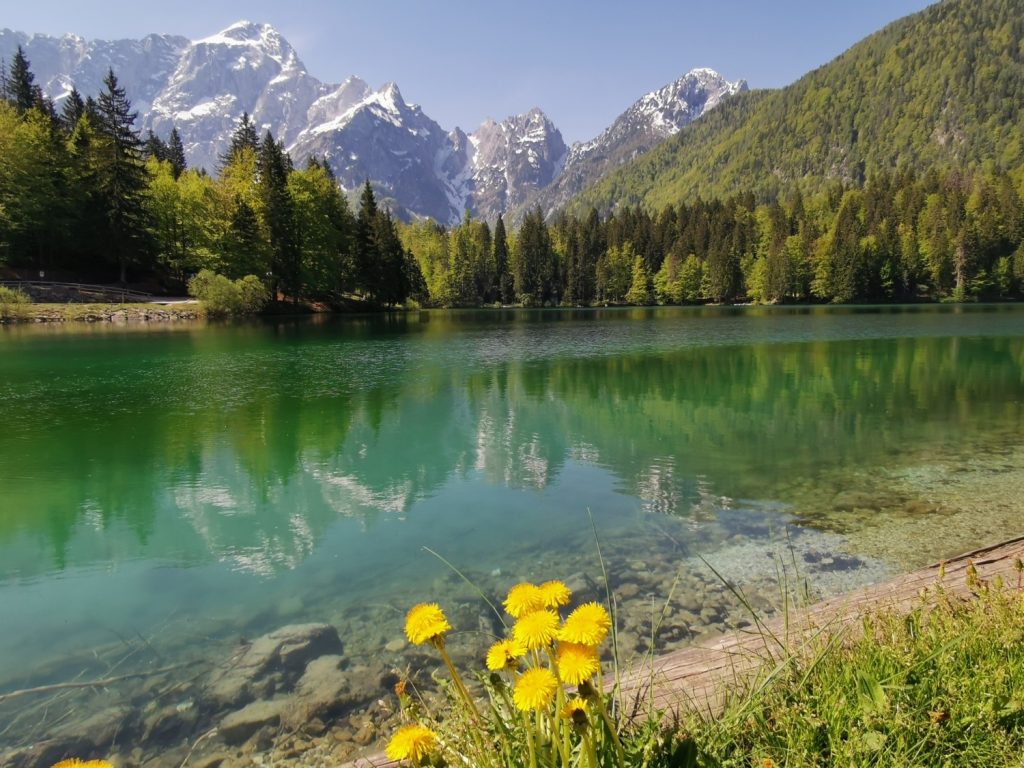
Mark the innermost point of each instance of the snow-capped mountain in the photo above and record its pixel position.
(245, 68)
(376, 135)
(203, 87)
(649, 121)
(143, 66)
(511, 160)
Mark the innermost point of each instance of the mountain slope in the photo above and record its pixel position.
(245, 68)
(376, 135)
(649, 121)
(143, 66)
(202, 88)
(940, 88)
(511, 160)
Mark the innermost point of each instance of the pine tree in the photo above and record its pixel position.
(245, 251)
(21, 91)
(273, 168)
(244, 137)
(393, 286)
(504, 290)
(154, 147)
(121, 175)
(534, 268)
(72, 111)
(176, 154)
(367, 257)
(640, 286)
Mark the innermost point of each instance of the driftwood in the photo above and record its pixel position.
(85, 683)
(694, 678)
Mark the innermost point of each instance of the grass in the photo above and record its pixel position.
(13, 304)
(941, 686)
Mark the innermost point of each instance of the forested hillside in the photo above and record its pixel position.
(895, 173)
(940, 89)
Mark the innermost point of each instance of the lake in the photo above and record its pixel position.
(166, 492)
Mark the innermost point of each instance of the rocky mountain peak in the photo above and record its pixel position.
(650, 120)
(203, 87)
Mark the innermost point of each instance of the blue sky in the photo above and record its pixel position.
(581, 62)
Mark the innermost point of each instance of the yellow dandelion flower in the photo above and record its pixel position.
(535, 689)
(554, 594)
(587, 625)
(426, 623)
(575, 710)
(411, 742)
(577, 663)
(522, 599)
(536, 630)
(503, 655)
(74, 762)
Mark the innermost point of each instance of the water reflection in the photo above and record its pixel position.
(246, 444)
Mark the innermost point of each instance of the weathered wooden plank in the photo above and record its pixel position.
(693, 678)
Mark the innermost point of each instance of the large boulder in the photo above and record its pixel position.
(276, 658)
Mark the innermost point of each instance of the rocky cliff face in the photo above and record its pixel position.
(650, 120)
(202, 88)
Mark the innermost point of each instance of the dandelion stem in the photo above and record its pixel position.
(561, 734)
(611, 729)
(588, 747)
(529, 741)
(463, 691)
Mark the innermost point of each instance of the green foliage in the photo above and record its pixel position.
(534, 262)
(640, 291)
(75, 194)
(13, 303)
(615, 273)
(941, 686)
(120, 176)
(942, 88)
(222, 296)
(678, 281)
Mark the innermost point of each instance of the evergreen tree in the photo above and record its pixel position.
(273, 168)
(121, 175)
(72, 111)
(244, 250)
(20, 85)
(367, 261)
(244, 137)
(176, 154)
(534, 266)
(393, 271)
(640, 286)
(505, 288)
(154, 147)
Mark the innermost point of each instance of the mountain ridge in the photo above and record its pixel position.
(203, 87)
(940, 88)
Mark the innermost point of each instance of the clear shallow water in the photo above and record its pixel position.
(190, 485)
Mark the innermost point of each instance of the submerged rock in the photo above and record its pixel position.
(271, 660)
(238, 726)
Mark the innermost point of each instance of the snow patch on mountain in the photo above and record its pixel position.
(202, 88)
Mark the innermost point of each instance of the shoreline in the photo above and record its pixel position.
(121, 313)
(105, 313)
(697, 677)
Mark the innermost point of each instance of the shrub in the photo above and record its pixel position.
(222, 296)
(13, 303)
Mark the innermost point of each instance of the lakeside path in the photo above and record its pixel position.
(694, 678)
